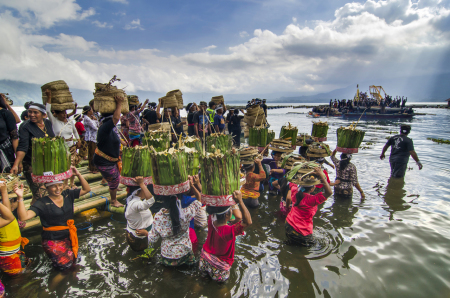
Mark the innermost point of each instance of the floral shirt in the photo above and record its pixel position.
(91, 127)
(173, 247)
(133, 122)
(348, 177)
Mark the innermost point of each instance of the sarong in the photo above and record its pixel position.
(60, 253)
(188, 259)
(249, 194)
(211, 265)
(14, 264)
(91, 150)
(283, 209)
(111, 175)
(136, 243)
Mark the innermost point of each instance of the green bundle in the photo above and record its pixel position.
(289, 133)
(319, 129)
(136, 161)
(193, 162)
(220, 173)
(160, 140)
(270, 136)
(49, 155)
(217, 141)
(193, 142)
(258, 137)
(169, 167)
(349, 137)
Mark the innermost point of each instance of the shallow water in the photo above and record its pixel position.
(393, 243)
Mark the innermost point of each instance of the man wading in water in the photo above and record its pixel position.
(401, 148)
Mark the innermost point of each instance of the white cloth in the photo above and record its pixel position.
(91, 127)
(138, 214)
(69, 131)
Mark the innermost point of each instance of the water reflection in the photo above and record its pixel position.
(394, 195)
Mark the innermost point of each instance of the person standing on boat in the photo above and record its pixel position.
(401, 148)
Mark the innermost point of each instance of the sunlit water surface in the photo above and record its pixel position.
(393, 243)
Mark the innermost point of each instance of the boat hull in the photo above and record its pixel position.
(376, 116)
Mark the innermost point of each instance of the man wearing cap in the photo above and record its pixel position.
(401, 148)
(219, 121)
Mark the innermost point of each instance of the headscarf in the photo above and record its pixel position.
(37, 106)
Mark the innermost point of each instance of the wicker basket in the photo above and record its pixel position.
(60, 92)
(178, 96)
(169, 101)
(218, 99)
(133, 100)
(165, 126)
(10, 180)
(254, 121)
(255, 110)
(108, 105)
(63, 106)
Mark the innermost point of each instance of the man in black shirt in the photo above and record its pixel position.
(401, 148)
(264, 107)
(235, 127)
(150, 116)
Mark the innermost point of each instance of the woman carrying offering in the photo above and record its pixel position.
(59, 235)
(299, 222)
(138, 215)
(36, 127)
(217, 255)
(107, 152)
(12, 260)
(250, 190)
(346, 177)
(172, 225)
(64, 128)
(90, 136)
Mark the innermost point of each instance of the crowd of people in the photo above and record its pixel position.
(150, 216)
(365, 103)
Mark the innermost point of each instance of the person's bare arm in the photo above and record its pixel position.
(116, 116)
(17, 167)
(247, 219)
(85, 188)
(382, 156)
(143, 106)
(22, 213)
(7, 216)
(416, 158)
(16, 117)
(197, 194)
(323, 179)
(358, 187)
(197, 182)
(288, 199)
(48, 92)
(237, 214)
(158, 114)
(74, 111)
(140, 181)
(4, 193)
(15, 143)
(216, 127)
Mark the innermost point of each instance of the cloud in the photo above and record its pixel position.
(119, 1)
(45, 13)
(243, 34)
(364, 41)
(135, 24)
(209, 47)
(102, 25)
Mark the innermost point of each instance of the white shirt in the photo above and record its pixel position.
(91, 127)
(138, 214)
(68, 129)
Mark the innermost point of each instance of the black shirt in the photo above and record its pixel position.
(108, 142)
(51, 215)
(235, 122)
(29, 130)
(7, 125)
(400, 147)
(150, 116)
(190, 117)
(264, 107)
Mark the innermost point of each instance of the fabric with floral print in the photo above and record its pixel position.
(348, 177)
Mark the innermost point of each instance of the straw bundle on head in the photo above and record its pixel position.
(220, 173)
(178, 95)
(136, 161)
(217, 99)
(169, 167)
(169, 101)
(133, 100)
(60, 92)
(104, 94)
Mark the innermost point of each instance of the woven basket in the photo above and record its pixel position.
(10, 180)
(165, 126)
(133, 100)
(217, 99)
(108, 105)
(169, 101)
(60, 92)
(63, 106)
(253, 111)
(250, 120)
(178, 96)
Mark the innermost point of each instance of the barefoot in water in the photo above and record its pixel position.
(116, 204)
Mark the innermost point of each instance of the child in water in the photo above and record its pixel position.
(275, 171)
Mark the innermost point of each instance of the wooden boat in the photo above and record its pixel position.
(369, 115)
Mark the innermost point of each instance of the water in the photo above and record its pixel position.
(393, 243)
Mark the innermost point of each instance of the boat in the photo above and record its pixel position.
(370, 115)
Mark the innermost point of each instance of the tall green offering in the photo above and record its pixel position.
(50, 156)
(136, 161)
(320, 130)
(289, 133)
(220, 178)
(258, 137)
(349, 139)
(217, 141)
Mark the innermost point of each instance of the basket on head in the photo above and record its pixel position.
(169, 101)
(133, 100)
(217, 99)
(63, 106)
(104, 101)
(318, 149)
(178, 96)
(60, 92)
(248, 155)
(281, 146)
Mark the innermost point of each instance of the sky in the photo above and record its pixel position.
(225, 46)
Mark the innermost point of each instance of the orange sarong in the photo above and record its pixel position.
(22, 240)
(73, 234)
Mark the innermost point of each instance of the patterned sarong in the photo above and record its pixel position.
(60, 253)
(14, 264)
(211, 265)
